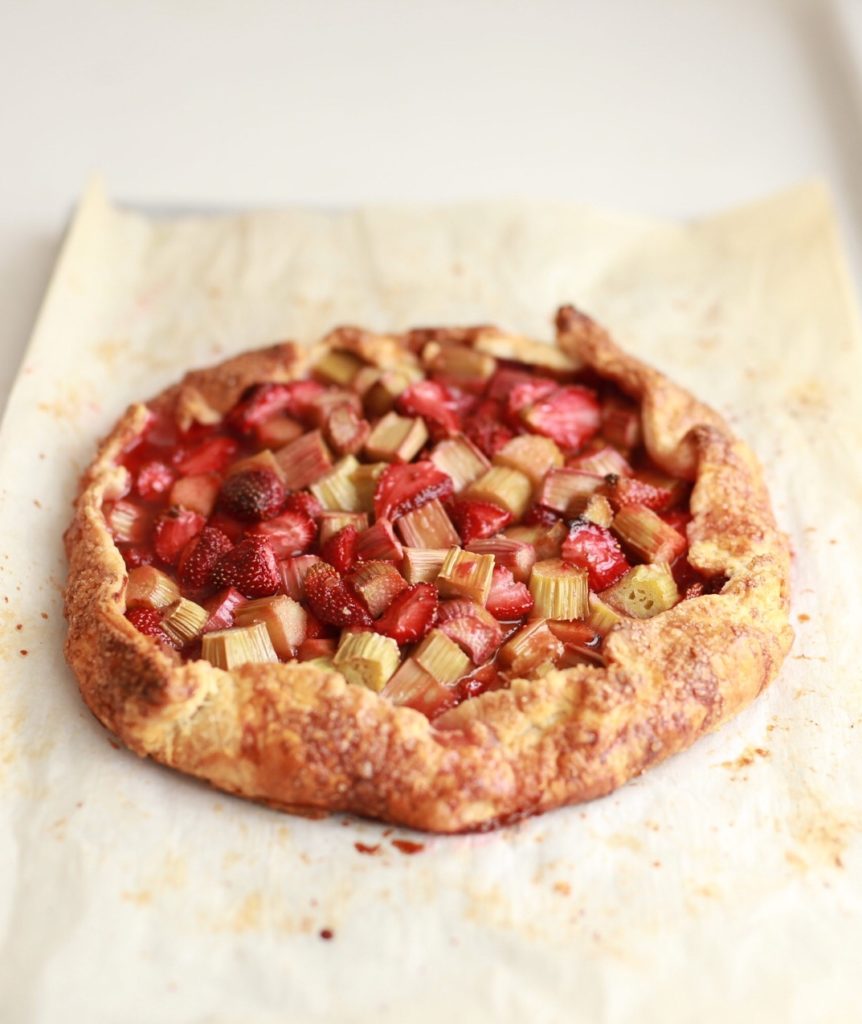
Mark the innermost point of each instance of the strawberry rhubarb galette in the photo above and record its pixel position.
(444, 578)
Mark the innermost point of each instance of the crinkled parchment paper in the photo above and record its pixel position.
(724, 885)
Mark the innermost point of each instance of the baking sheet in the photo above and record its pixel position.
(725, 883)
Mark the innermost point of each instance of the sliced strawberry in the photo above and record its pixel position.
(136, 554)
(402, 488)
(475, 520)
(435, 404)
(210, 456)
(235, 530)
(508, 600)
(291, 533)
(221, 607)
(486, 429)
(345, 431)
(266, 400)
(592, 547)
(252, 495)
(340, 549)
(483, 680)
(507, 378)
(331, 600)
(153, 479)
(149, 622)
(411, 615)
(540, 515)
(575, 633)
(472, 627)
(250, 567)
(199, 557)
(526, 393)
(315, 629)
(174, 529)
(569, 416)
(629, 490)
(303, 501)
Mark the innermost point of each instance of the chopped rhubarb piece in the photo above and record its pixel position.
(621, 423)
(459, 459)
(379, 543)
(423, 565)
(242, 645)
(365, 379)
(304, 461)
(345, 431)
(575, 633)
(413, 687)
(508, 599)
(472, 627)
(198, 493)
(291, 533)
(302, 501)
(411, 614)
(153, 479)
(184, 622)
(210, 456)
(128, 523)
(503, 486)
(320, 647)
(396, 438)
(267, 400)
(605, 460)
(602, 617)
(367, 659)
(336, 367)
(457, 362)
(427, 527)
(531, 455)
(252, 496)
(482, 680)
(149, 622)
(546, 540)
(515, 555)
(644, 591)
(531, 648)
(475, 520)
(433, 402)
(331, 522)
(278, 431)
(365, 479)
(647, 535)
(199, 557)
(569, 416)
(378, 584)
(250, 567)
(560, 590)
(174, 529)
(568, 490)
(466, 574)
(524, 350)
(340, 549)
(595, 549)
(336, 490)
(485, 428)
(221, 609)
(441, 658)
(652, 490)
(330, 598)
(293, 573)
(598, 510)
(264, 460)
(383, 393)
(284, 618)
(402, 488)
(148, 587)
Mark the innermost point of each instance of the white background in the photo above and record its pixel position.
(661, 107)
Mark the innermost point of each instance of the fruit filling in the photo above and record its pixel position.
(431, 530)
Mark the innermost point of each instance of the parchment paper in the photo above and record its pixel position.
(725, 885)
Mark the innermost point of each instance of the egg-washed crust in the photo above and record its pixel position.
(302, 739)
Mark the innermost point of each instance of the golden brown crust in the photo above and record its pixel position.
(298, 737)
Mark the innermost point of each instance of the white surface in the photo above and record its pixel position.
(663, 107)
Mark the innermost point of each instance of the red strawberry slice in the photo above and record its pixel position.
(221, 608)
(174, 529)
(483, 680)
(331, 600)
(540, 515)
(629, 490)
(149, 622)
(434, 403)
(266, 400)
(315, 629)
(210, 456)
(345, 431)
(136, 554)
(252, 495)
(508, 600)
(411, 615)
(303, 501)
(486, 429)
(340, 549)
(154, 478)
(472, 627)
(199, 557)
(570, 416)
(592, 547)
(475, 520)
(250, 567)
(507, 378)
(402, 488)
(291, 533)
(526, 393)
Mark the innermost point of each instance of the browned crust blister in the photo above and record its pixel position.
(301, 738)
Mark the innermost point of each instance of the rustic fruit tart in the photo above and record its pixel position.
(445, 578)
